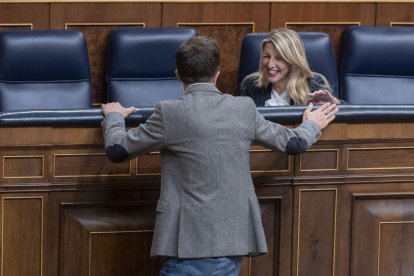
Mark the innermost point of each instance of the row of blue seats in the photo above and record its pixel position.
(49, 69)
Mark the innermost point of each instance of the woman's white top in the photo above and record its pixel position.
(278, 100)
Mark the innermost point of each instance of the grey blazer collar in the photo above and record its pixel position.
(203, 87)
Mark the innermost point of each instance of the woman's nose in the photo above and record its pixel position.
(271, 63)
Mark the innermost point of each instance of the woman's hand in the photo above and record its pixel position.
(322, 96)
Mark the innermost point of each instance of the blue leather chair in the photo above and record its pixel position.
(141, 65)
(318, 49)
(44, 69)
(378, 65)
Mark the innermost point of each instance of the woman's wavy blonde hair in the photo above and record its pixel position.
(290, 46)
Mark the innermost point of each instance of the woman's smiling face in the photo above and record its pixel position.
(275, 68)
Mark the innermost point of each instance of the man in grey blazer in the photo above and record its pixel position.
(208, 215)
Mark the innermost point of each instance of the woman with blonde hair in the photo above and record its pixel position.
(284, 76)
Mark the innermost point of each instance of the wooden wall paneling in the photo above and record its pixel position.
(321, 230)
(107, 239)
(257, 13)
(108, 199)
(334, 133)
(96, 20)
(284, 14)
(22, 234)
(25, 136)
(328, 161)
(380, 158)
(271, 213)
(52, 225)
(324, 158)
(383, 231)
(277, 216)
(148, 164)
(25, 16)
(390, 152)
(307, 232)
(27, 168)
(395, 14)
(84, 164)
(315, 224)
(343, 231)
(265, 162)
(331, 18)
(380, 131)
(24, 166)
(227, 23)
(92, 137)
(111, 245)
(91, 165)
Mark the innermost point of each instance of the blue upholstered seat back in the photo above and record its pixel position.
(378, 65)
(44, 69)
(141, 65)
(318, 49)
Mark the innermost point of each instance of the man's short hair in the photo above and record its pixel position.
(198, 59)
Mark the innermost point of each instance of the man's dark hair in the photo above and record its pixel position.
(198, 59)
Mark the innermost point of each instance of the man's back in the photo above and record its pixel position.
(207, 205)
(210, 131)
(206, 180)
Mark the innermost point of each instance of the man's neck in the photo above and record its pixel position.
(188, 85)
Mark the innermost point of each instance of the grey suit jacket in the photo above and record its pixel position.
(207, 206)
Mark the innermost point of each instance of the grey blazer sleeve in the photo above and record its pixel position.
(291, 141)
(121, 145)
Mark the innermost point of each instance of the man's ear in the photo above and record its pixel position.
(178, 75)
(216, 76)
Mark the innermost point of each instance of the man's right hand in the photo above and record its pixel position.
(321, 116)
(117, 107)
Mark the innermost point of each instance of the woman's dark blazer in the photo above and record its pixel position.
(260, 95)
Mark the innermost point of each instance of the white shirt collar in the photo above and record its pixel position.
(278, 99)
